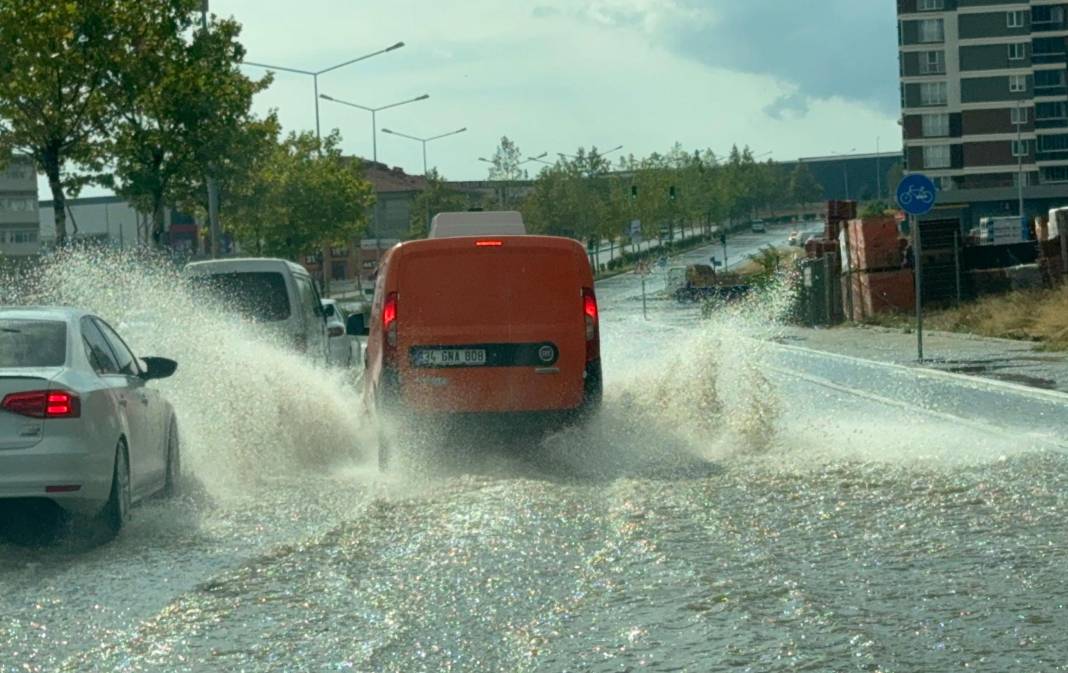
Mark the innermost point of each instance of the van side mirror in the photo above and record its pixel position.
(329, 310)
(355, 326)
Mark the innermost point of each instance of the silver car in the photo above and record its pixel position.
(79, 422)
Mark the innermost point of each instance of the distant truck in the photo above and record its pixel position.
(700, 282)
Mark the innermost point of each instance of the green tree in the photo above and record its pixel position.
(57, 61)
(180, 105)
(307, 199)
(505, 168)
(804, 188)
(436, 198)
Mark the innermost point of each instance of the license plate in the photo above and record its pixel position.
(451, 357)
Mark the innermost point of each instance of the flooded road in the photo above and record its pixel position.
(716, 516)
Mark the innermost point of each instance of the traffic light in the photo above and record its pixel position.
(671, 192)
(723, 237)
(634, 191)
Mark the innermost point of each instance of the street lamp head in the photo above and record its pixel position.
(386, 131)
(325, 97)
(485, 159)
(541, 156)
(396, 46)
(423, 97)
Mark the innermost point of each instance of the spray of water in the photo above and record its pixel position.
(248, 409)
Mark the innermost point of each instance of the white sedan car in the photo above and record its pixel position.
(79, 422)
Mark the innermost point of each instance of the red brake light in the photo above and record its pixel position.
(589, 311)
(489, 244)
(389, 319)
(43, 404)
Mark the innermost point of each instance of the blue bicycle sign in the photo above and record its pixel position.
(916, 194)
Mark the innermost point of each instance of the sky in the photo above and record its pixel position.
(787, 77)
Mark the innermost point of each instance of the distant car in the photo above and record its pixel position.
(758, 227)
(79, 423)
(276, 293)
(344, 348)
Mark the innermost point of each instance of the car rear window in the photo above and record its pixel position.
(32, 343)
(260, 295)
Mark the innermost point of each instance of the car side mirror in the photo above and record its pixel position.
(356, 325)
(329, 310)
(158, 368)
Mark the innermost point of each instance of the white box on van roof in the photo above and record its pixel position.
(478, 223)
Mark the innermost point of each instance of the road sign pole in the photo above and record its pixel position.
(917, 195)
(917, 265)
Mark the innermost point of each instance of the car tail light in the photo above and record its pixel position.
(489, 244)
(389, 320)
(589, 310)
(43, 404)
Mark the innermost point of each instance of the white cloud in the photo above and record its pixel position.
(551, 74)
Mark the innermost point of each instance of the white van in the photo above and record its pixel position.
(276, 293)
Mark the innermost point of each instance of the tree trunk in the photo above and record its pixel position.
(157, 222)
(59, 201)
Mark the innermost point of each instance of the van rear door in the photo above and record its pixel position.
(492, 324)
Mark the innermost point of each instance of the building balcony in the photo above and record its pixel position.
(1052, 155)
(1056, 90)
(1050, 57)
(1058, 123)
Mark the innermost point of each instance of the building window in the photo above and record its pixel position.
(936, 156)
(1015, 19)
(1043, 15)
(933, 93)
(1055, 174)
(1053, 143)
(935, 126)
(1017, 51)
(339, 270)
(1018, 115)
(1020, 148)
(932, 63)
(339, 252)
(944, 183)
(932, 5)
(1017, 83)
(931, 30)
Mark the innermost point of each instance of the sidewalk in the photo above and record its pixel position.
(1017, 362)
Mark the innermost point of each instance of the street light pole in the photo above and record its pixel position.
(424, 141)
(374, 112)
(314, 74)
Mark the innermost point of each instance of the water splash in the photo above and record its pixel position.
(248, 409)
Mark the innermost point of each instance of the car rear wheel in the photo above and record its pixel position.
(117, 510)
(172, 487)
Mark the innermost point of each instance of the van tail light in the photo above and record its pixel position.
(590, 314)
(488, 244)
(389, 320)
(43, 404)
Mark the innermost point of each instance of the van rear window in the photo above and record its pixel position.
(32, 343)
(260, 295)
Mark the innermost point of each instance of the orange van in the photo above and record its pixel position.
(469, 322)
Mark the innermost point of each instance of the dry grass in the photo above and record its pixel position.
(1031, 315)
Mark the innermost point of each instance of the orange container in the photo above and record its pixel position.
(874, 244)
(881, 292)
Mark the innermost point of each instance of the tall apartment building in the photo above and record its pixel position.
(19, 226)
(984, 101)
